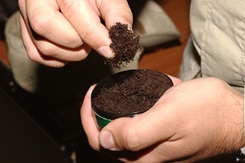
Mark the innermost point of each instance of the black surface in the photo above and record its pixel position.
(22, 140)
(35, 127)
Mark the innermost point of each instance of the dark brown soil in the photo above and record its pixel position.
(124, 44)
(136, 93)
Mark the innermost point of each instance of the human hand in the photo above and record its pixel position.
(193, 120)
(55, 32)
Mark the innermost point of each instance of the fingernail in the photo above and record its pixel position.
(106, 51)
(107, 141)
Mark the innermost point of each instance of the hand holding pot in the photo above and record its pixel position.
(58, 31)
(193, 120)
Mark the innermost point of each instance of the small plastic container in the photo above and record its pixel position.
(102, 117)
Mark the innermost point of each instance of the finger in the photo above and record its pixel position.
(174, 80)
(86, 21)
(51, 50)
(46, 20)
(32, 50)
(22, 6)
(88, 122)
(119, 8)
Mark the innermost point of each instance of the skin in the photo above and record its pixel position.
(193, 120)
(56, 32)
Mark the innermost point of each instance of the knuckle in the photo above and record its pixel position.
(78, 54)
(46, 49)
(132, 140)
(58, 65)
(81, 57)
(39, 23)
(87, 35)
(33, 55)
(39, 58)
(53, 63)
(74, 42)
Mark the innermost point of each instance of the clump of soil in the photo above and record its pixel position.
(124, 44)
(130, 92)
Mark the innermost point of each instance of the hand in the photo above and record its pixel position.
(193, 120)
(55, 32)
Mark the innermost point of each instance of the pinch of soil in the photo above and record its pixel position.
(124, 44)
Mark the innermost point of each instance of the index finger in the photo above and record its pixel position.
(46, 20)
(85, 17)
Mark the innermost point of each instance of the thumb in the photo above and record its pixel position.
(137, 133)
